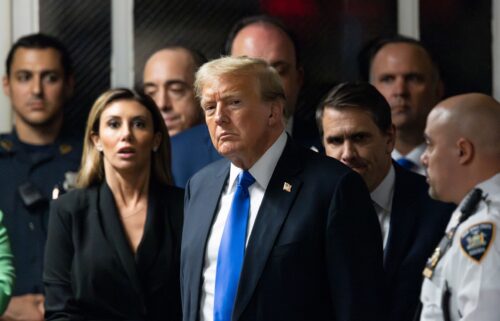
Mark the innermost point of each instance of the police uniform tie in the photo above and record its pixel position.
(406, 163)
(232, 250)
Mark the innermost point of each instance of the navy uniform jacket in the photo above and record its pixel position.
(315, 252)
(27, 227)
(192, 150)
(417, 224)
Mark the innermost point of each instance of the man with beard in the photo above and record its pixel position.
(36, 160)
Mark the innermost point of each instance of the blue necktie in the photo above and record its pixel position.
(406, 163)
(232, 250)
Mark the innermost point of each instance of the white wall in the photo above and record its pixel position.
(17, 18)
(122, 43)
(5, 41)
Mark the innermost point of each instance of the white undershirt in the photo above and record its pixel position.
(414, 156)
(382, 202)
(262, 171)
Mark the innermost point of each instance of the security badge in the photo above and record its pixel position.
(476, 240)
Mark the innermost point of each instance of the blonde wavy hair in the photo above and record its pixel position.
(271, 87)
(92, 166)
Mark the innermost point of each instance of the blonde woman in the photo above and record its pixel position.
(113, 244)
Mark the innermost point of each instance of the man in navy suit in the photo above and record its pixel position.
(308, 246)
(168, 78)
(357, 130)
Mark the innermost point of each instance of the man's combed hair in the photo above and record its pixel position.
(370, 49)
(41, 41)
(357, 95)
(271, 87)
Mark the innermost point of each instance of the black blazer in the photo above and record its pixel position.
(315, 252)
(91, 272)
(416, 226)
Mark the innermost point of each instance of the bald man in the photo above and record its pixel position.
(463, 166)
(168, 78)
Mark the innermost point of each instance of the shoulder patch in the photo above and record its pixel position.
(476, 240)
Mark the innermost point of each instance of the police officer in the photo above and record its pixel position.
(463, 166)
(36, 158)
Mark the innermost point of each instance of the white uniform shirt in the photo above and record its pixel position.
(414, 156)
(471, 267)
(262, 171)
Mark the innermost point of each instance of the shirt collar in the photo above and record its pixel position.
(414, 155)
(490, 187)
(382, 195)
(263, 169)
(289, 125)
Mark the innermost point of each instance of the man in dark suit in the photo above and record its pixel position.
(168, 78)
(357, 130)
(274, 231)
(192, 150)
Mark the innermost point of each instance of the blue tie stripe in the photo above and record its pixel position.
(232, 250)
(406, 163)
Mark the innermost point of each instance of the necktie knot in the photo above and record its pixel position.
(406, 163)
(245, 179)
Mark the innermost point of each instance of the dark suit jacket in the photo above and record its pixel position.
(91, 272)
(192, 150)
(417, 224)
(315, 252)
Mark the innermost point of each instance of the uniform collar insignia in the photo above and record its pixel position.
(6, 144)
(65, 149)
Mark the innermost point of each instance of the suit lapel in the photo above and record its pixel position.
(154, 231)
(403, 216)
(200, 228)
(273, 211)
(115, 234)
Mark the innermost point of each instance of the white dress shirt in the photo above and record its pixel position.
(414, 156)
(382, 201)
(262, 171)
